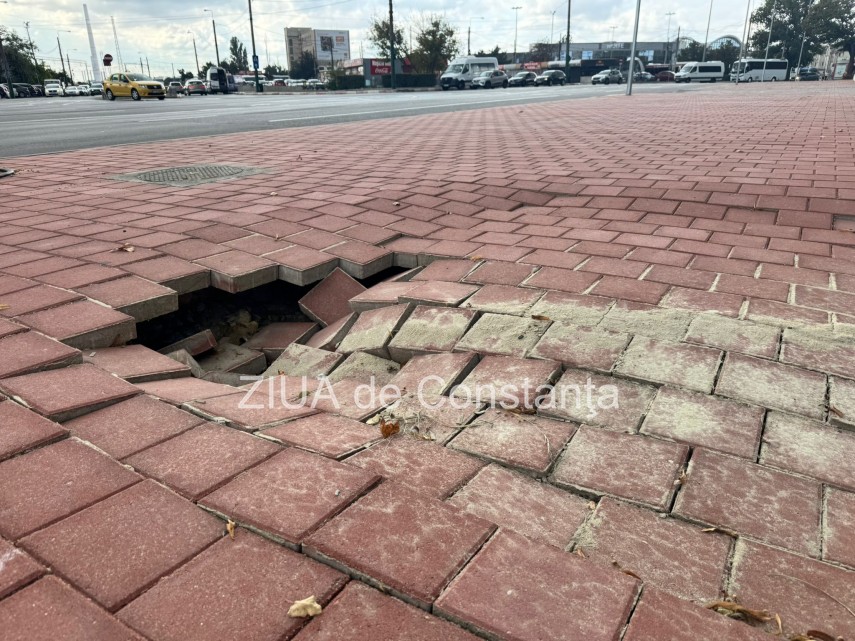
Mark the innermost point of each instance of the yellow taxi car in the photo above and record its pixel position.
(134, 85)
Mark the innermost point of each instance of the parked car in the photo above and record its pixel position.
(523, 79)
(4, 91)
(72, 90)
(83, 89)
(314, 83)
(643, 76)
(37, 90)
(95, 89)
(53, 87)
(24, 90)
(665, 76)
(175, 86)
(551, 77)
(808, 73)
(195, 86)
(132, 85)
(606, 77)
(490, 80)
(297, 83)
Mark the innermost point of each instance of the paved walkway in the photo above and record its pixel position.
(667, 312)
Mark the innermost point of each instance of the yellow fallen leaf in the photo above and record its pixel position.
(307, 607)
(230, 528)
(3, 306)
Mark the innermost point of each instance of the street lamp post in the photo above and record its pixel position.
(552, 29)
(59, 46)
(254, 55)
(744, 38)
(196, 54)
(707, 37)
(469, 34)
(768, 42)
(668, 39)
(216, 46)
(567, 52)
(393, 84)
(632, 50)
(804, 35)
(516, 24)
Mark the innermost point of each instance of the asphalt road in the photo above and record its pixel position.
(47, 125)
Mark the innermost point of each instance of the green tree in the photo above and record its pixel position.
(788, 27)
(203, 72)
(274, 70)
(833, 22)
(693, 51)
(238, 59)
(436, 44)
(184, 75)
(503, 57)
(21, 60)
(306, 66)
(378, 35)
(541, 52)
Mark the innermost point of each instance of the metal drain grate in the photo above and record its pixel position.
(189, 175)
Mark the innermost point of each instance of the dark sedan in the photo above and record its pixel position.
(523, 79)
(551, 77)
(808, 73)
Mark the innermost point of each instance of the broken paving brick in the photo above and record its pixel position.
(373, 330)
(196, 344)
(303, 360)
(234, 359)
(328, 301)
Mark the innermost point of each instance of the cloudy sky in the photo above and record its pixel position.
(158, 29)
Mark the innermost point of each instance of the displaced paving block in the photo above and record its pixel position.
(272, 339)
(381, 295)
(196, 344)
(134, 296)
(427, 417)
(302, 360)
(433, 374)
(182, 276)
(439, 293)
(502, 299)
(291, 495)
(26, 352)
(732, 335)
(111, 551)
(235, 359)
(327, 301)
(19, 569)
(303, 266)
(34, 299)
(841, 410)
(645, 320)
(327, 434)
(249, 411)
(330, 336)
(506, 591)
(677, 364)
(183, 390)
(582, 347)
(515, 502)
(707, 421)
(500, 273)
(365, 368)
(839, 530)
(429, 329)
(136, 363)
(637, 468)
(445, 537)
(236, 271)
(373, 330)
(361, 260)
(820, 349)
(183, 357)
(507, 382)
(7, 328)
(83, 324)
(22, 430)
(502, 334)
(447, 269)
(351, 398)
(571, 308)
(763, 503)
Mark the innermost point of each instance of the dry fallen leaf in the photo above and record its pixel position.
(625, 571)
(835, 411)
(230, 528)
(780, 625)
(819, 635)
(579, 552)
(124, 247)
(307, 607)
(736, 610)
(475, 258)
(3, 306)
(540, 318)
(389, 428)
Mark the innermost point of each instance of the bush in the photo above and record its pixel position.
(347, 82)
(410, 80)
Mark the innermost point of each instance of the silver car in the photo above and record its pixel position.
(490, 80)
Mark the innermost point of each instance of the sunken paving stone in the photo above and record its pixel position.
(234, 358)
(134, 296)
(653, 322)
(274, 338)
(201, 459)
(451, 270)
(52, 482)
(503, 335)
(429, 329)
(373, 330)
(291, 495)
(733, 335)
(183, 390)
(773, 385)
(194, 345)
(502, 299)
(842, 403)
(236, 271)
(515, 502)
(331, 335)
(807, 594)
(433, 374)
(119, 547)
(302, 360)
(327, 434)
(361, 367)
(839, 532)
(672, 555)
(350, 398)
(27, 352)
(662, 617)
(193, 603)
(582, 347)
(425, 542)
(510, 382)
(571, 308)
(430, 417)
(17, 569)
(83, 324)
(22, 429)
(529, 443)
(605, 401)
(34, 299)
(40, 611)
(133, 425)
(763, 503)
(511, 585)
(499, 273)
(421, 466)
(821, 350)
(327, 301)
(177, 274)
(63, 394)
(381, 295)
(249, 412)
(439, 293)
(811, 448)
(361, 613)
(637, 468)
(136, 363)
(708, 421)
(676, 364)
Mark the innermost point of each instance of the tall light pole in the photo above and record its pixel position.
(567, 52)
(59, 46)
(768, 42)
(632, 50)
(707, 37)
(516, 24)
(469, 34)
(6, 63)
(216, 46)
(668, 38)
(254, 55)
(198, 73)
(804, 35)
(552, 29)
(392, 83)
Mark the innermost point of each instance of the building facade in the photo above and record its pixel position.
(328, 46)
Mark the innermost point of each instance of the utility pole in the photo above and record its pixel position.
(70, 75)
(677, 49)
(142, 69)
(801, 49)
(707, 37)
(768, 42)
(668, 39)
(632, 50)
(32, 48)
(392, 44)
(173, 68)
(287, 59)
(552, 30)
(516, 23)
(8, 69)
(567, 52)
(744, 37)
(198, 73)
(148, 69)
(216, 46)
(61, 60)
(254, 56)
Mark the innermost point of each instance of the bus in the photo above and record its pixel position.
(759, 70)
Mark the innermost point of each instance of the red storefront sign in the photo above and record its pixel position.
(380, 68)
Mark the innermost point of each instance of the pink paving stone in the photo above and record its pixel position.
(433, 374)
(431, 417)
(302, 265)
(361, 613)
(351, 398)
(327, 302)
(572, 308)
(424, 545)
(698, 301)
(429, 329)
(133, 425)
(503, 299)
(134, 296)
(583, 347)
(522, 378)
(807, 594)
(305, 361)
(775, 313)
(192, 605)
(28, 352)
(234, 359)
(184, 390)
(18, 569)
(500, 273)
(439, 293)
(672, 555)
(274, 338)
(633, 467)
(839, 532)
(117, 548)
(359, 259)
(662, 617)
(613, 403)
(7, 328)
(772, 385)
(529, 443)
(451, 270)
(22, 430)
(842, 399)
(192, 248)
(48, 484)
(516, 589)
(731, 335)
(361, 367)
(811, 448)
(327, 434)
(820, 350)
(249, 412)
(9, 284)
(421, 466)
(564, 280)
(330, 336)
(373, 330)
(381, 295)
(291, 495)
(75, 277)
(175, 273)
(83, 324)
(515, 502)
(503, 335)
(762, 503)
(236, 271)
(201, 459)
(37, 612)
(678, 364)
(706, 421)
(34, 299)
(196, 344)
(136, 363)
(647, 320)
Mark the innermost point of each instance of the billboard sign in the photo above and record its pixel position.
(338, 41)
(380, 68)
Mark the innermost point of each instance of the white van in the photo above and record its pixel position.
(701, 71)
(461, 71)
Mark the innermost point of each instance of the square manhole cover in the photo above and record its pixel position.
(189, 175)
